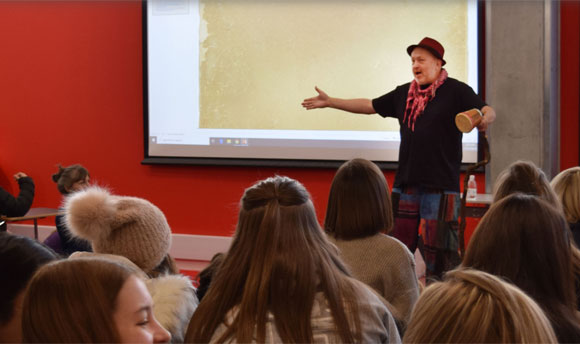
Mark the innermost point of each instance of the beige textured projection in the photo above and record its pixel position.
(260, 59)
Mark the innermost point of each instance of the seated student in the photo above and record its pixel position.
(525, 240)
(472, 306)
(359, 212)
(525, 177)
(205, 276)
(17, 206)
(20, 257)
(567, 187)
(89, 300)
(282, 281)
(68, 180)
(136, 229)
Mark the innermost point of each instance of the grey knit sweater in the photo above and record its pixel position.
(386, 265)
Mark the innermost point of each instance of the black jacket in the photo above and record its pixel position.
(17, 206)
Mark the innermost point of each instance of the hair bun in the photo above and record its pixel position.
(56, 176)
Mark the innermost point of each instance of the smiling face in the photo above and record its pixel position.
(134, 316)
(426, 67)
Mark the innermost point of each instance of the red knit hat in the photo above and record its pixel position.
(432, 45)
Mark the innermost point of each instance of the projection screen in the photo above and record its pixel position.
(224, 80)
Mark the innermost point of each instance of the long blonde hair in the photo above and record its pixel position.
(278, 261)
(567, 187)
(472, 306)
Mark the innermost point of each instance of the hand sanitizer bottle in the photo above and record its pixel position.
(471, 188)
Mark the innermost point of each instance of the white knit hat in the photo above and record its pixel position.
(127, 226)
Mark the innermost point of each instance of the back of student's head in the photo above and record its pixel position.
(168, 266)
(567, 187)
(20, 257)
(73, 301)
(359, 203)
(472, 306)
(526, 240)
(67, 177)
(128, 226)
(279, 255)
(524, 177)
(205, 276)
(277, 220)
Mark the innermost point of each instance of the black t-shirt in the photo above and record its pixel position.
(431, 155)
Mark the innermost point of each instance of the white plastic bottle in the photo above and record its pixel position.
(471, 188)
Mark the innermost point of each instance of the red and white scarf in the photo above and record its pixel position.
(417, 99)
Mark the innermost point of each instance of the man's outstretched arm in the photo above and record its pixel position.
(358, 105)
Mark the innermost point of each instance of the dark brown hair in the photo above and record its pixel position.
(359, 203)
(205, 276)
(67, 176)
(20, 257)
(168, 266)
(526, 240)
(73, 301)
(279, 259)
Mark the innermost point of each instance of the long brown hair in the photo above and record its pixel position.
(359, 202)
(526, 240)
(278, 261)
(73, 301)
(525, 177)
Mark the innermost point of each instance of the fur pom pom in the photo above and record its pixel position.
(89, 213)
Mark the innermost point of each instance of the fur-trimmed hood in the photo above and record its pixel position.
(174, 302)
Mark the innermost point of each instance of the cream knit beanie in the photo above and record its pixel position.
(127, 226)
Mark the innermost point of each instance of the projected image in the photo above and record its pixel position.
(226, 78)
(259, 59)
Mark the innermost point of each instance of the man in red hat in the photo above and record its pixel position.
(426, 189)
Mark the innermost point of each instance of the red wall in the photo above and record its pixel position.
(569, 83)
(71, 92)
